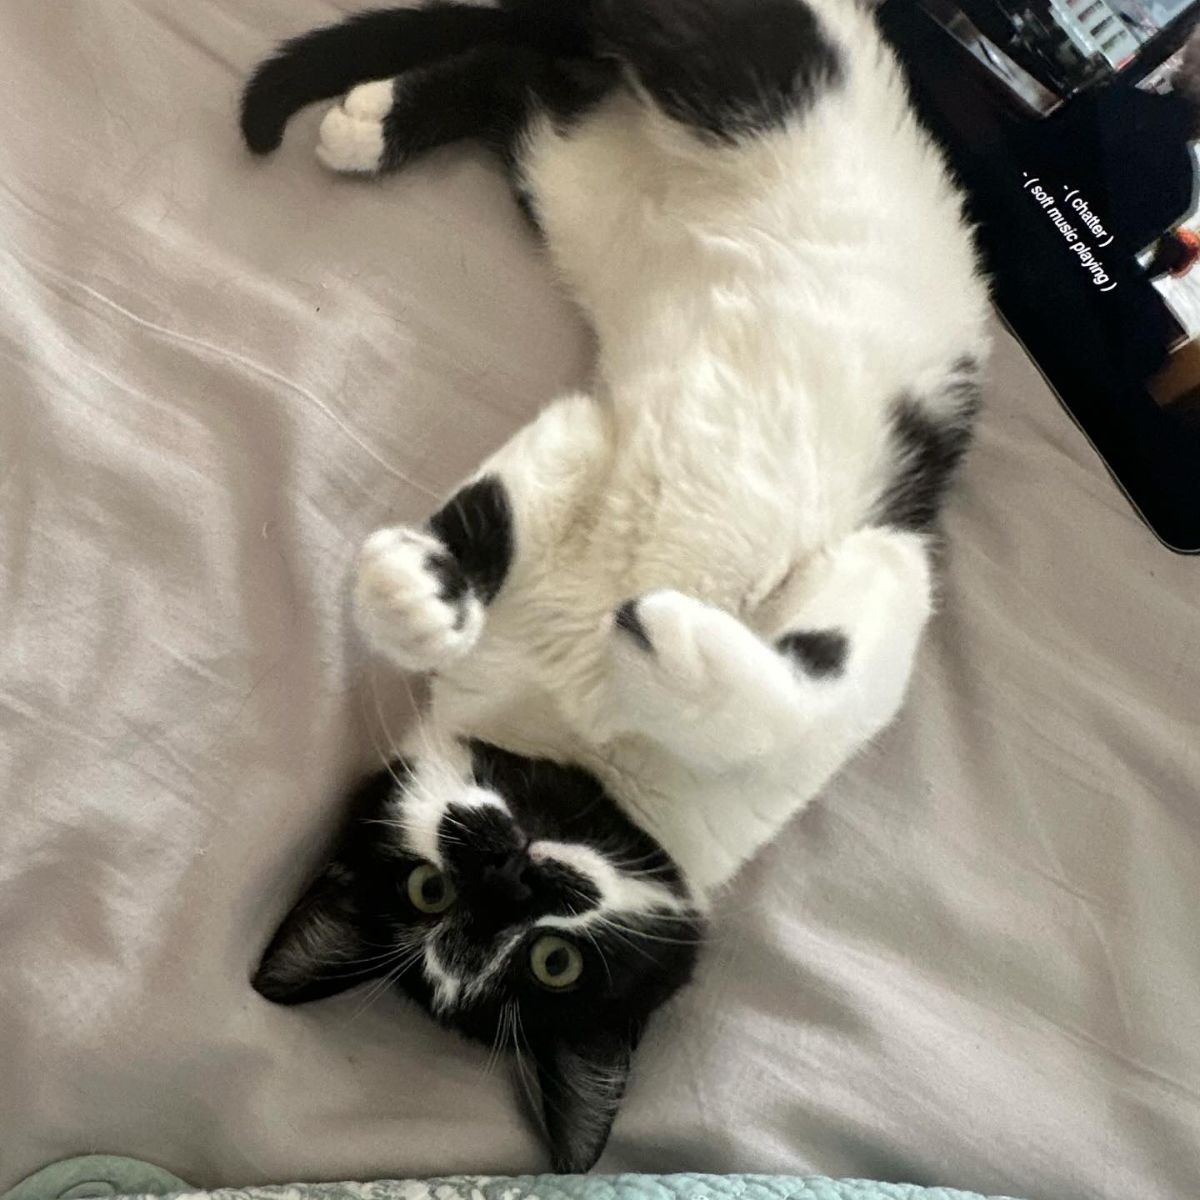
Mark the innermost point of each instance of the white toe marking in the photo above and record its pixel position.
(348, 143)
(399, 605)
(370, 101)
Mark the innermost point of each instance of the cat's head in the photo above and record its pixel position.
(510, 898)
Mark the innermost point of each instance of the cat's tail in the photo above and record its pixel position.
(386, 42)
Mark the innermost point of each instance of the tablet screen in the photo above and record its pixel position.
(1073, 125)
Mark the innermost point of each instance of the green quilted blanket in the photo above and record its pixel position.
(106, 1176)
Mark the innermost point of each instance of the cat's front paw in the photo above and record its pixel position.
(413, 602)
(351, 137)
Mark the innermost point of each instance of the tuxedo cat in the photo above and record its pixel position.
(665, 612)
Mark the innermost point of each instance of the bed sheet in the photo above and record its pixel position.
(975, 962)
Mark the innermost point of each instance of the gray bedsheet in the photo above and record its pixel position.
(975, 961)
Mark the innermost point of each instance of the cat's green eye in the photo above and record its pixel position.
(430, 889)
(555, 962)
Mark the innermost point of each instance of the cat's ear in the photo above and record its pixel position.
(582, 1081)
(322, 947)
(319, 949)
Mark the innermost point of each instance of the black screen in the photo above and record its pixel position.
(1073, 126)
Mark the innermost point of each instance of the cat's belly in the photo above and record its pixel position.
(537, 681)
(515, 710)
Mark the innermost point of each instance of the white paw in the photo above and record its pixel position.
(370, 101)
(696, 678)
(689, 648)
(412, 602)
(351, 135)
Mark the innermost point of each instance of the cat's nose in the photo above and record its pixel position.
(498, 898)
(505, 882)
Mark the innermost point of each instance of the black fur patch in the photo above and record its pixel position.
(386, 42)
(628, 620)
(821, 652)
(358, 922)
(567, 803)
(452, 583)
(724, 67)
(372, 45)
(477, 837)
(322, 947)
(476, 526)
(582, 1082)
(527, 206)
(488, 94)
(927, 452)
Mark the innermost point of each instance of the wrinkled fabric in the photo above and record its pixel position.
(975, 961)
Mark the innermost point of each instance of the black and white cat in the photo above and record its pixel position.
(668, 610)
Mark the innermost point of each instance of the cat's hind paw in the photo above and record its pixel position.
(699, 682)
(683, 646)
(351, 139)
(412, 601)
(695, 678)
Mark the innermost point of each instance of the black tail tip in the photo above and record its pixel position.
(262, 129)
(268, 101)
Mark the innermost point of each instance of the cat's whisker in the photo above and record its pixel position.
(628, 941)
(392, 750)
(361, 965)
(400, 827)
(500, 1038)
(454, 823)
(487, 1062)
(382, 986)
(521, 1049)
(599, 952)
(383, 757)
(386, 822)
(387, 980)
(630, 931)
(630, 867)
(662, 916)
(404, 936)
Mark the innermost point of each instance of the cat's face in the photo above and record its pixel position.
(512, 900)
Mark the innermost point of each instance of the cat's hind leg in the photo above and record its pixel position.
(831, 659)
(488, 94)
(382, 125)
(723, 69)
(351, 137)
